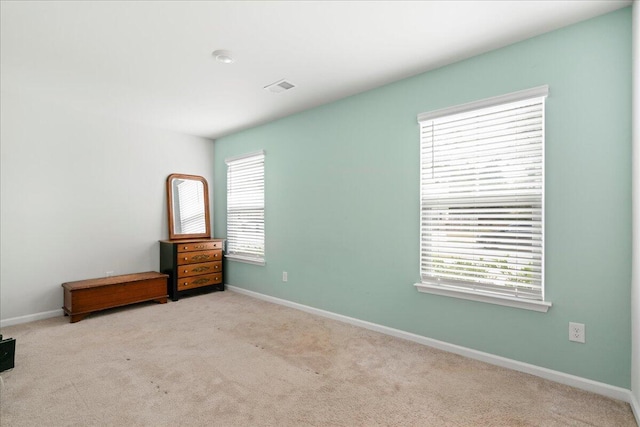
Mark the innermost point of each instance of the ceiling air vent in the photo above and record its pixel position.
(280, 86)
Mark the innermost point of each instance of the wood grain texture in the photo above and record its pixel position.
(86, 296)
(199, 256)
(192, 264)
(195, 269)
(170, 202)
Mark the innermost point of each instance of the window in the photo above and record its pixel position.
(245, 208)
(482, 200)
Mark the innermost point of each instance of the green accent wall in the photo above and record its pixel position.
(342, 202)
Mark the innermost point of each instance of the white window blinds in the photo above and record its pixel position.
(245, 207)
(482, 185)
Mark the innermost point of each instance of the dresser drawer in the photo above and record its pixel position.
(198, 246)
(187, 270)
(193, 265)
(197, 281)
(200, 256)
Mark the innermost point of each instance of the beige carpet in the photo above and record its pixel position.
(230, 360)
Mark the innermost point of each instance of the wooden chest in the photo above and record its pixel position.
(86, 296)
(191, 264)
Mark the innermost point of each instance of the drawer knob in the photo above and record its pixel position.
(186, 247)
(185, 258)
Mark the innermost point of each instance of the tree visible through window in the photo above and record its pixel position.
(482, 186)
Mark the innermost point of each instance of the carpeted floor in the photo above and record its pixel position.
(230, 360)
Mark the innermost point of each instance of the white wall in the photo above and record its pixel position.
(635, 295)
(81, 195)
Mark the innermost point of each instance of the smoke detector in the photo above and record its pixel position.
(280, 86)
(223, 56)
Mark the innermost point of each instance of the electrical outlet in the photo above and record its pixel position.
(576, 332)
(284, 276)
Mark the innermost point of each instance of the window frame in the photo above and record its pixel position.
(256, 257)
(466, 292)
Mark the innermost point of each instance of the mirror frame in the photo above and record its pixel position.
(172, 234)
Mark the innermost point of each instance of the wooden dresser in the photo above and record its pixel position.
(191, 264)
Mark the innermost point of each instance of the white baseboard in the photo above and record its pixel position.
(635, 407)
(549, 374)
(30, 318)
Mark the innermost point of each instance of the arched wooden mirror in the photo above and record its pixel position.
(188, 204)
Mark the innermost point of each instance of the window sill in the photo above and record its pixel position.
(248, 260)
(541, 306)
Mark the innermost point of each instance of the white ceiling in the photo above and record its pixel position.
(150, 62)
